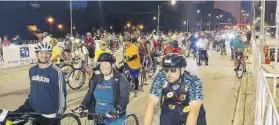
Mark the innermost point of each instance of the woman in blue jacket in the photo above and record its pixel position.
(104, 95)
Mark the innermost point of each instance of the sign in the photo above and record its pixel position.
(24, 52)
(15, 55)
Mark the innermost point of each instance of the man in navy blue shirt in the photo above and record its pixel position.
(47, 94)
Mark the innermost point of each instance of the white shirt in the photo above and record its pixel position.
(81, 52)
(202, 43)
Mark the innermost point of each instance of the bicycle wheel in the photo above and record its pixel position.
(240, 70)
(142, 80)
(198, 59)
(76, 79)
(70, 119)
(132, 119)
(67, 69)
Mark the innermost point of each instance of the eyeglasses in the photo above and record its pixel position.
(172, 70)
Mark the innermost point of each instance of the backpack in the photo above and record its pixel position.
(91, 51)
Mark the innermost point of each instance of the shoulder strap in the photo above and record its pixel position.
(116, 88)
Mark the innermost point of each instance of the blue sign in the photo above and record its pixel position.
(24, 52)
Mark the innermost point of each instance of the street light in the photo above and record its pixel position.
(198, 23)
(173, 2)
(141, 27)
(209, 14)
(60, 26)
(184, 22)
(110, 27)
(154, 18)
(50, 20)
(133, 27)
(159, 11)
(198, 11)
(128, 25)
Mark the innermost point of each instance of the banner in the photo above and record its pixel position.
(19, 55)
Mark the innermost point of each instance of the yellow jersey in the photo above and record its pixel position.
(55, 52)
(98, 52)
(129, 52)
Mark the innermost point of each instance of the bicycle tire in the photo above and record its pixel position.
(66, 73)
(198, 59)
(70, 115)
(239, 76)
(133, 116)
(82, 82)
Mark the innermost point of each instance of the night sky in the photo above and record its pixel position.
(16, 15)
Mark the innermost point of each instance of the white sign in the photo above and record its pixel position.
(13, 55)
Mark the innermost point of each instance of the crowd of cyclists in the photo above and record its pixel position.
(178, 92)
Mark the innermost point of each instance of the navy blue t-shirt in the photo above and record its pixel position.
(47, 93)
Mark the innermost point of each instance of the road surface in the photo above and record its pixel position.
(219, 83)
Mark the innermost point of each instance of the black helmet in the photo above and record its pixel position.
(106, 57)
(174, 61)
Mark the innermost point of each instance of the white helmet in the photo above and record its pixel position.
(43, 47)
(88, 33)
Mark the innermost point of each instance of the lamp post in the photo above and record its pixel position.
(173, 2)
(50, 20)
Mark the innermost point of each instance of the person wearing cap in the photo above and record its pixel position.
(179, 94)
(103, 48)
(131, 61)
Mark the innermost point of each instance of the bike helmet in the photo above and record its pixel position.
(174, 61)
(43, 47)
(106, 57)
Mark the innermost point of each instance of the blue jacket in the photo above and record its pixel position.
(122, 100)
(47, 93)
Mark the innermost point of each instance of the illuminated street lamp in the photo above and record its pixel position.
(173, 2)
(141, 27)
(110, 27)
(209, 14)
(50, 21)
(198, 11)
(184, 22)
(60, 26)
(154, 18)
(133, 27)
(128, 25)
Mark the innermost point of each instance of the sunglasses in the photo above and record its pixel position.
(172, 70)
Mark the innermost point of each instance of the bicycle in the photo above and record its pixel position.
(14, 118)
(96, 117)
(72, 72)
(200, 57)
(240, 67)
(127, 74)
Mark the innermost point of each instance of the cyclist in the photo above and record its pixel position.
(82, 52)
(47, 94)
(144, 49)
(168, 47)
(105, 97)
(103, 48)
(131, 61)
(178, 92)
(56, 52)
(202, 44)
(193, 39)
(68, 45)
(239, 47)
